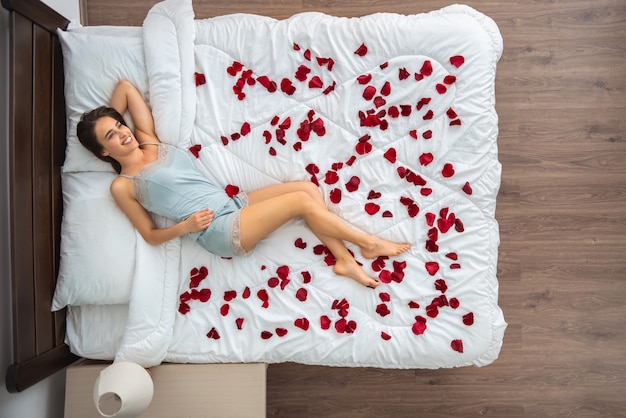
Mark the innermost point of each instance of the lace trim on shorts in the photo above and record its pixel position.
(236, 237)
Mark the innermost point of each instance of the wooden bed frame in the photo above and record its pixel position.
(37, 135)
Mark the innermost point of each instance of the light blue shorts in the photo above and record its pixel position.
(223, 237)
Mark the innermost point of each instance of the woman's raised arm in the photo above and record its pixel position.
(127, 97)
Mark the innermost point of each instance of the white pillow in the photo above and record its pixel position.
(97, 262)
(93, 64)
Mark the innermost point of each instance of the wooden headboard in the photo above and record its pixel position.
(36, 152)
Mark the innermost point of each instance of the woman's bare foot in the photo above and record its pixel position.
(381, 247)
(351, 269)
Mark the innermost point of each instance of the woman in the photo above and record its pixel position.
(155, 177)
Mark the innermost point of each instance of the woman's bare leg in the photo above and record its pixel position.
(272, 206)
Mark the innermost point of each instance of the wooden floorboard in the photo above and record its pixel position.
(561, 101)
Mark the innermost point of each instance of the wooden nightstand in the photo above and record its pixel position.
(180, 390)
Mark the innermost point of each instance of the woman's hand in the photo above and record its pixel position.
(200, 220)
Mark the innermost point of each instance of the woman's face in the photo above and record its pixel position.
(113, 136)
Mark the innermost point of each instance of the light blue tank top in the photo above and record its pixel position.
(172, 187)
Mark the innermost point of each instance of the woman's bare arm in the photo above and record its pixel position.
(141, 220)
(127, 97)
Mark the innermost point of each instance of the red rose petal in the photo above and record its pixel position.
(382, 310)
(369, 92)
(371, 208)
(316, 83)
(441, 285)
(213, 334)
(302, 294)
(225, 309)
(287, 87)
(427, 68)
(448, 170)
(467, 188)
(239, 323)
(429, 115)
(245, 129)
(423, 102)
(457, 345)
(441, 89)
(232, 190)
(390, 155)
(457, 60)
(458, 225)
(449, 79)
(403, 74)
(363, 148)
(266, 335)
(199, 78)
(414, 305)
(281, 332)
(379, 102)
(454, 303)
(302, 323)
(195, 150)
(361, 50)
(386, 89)
(183, 308)
(331, 177)
(426, 158)
(335, 196)
(468, 319)
(273, 282)
(246, 293)
(419, 326)
(364, 79)
(385, 276)
(302, 73)
(385, 336)
(299, 243)
(432, 267)
(325, 322)
(353, 184)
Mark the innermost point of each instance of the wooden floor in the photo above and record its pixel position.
(561, 99)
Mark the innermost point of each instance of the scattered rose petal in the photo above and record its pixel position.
(213, 334)
(302, 294)
(468, 319)
(426, 158)
(315, 83)
(361, 50)
(448, 170)
(335, 196)
(195, 150)
(371, 208)
(369, 92)
(432, 267)
(200, 79)
(302, 323)
(457, 345)
(364, 79)
(457, 60)
(390, 155)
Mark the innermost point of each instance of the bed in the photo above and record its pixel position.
(393, 117)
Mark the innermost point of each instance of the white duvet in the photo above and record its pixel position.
(393, 116)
